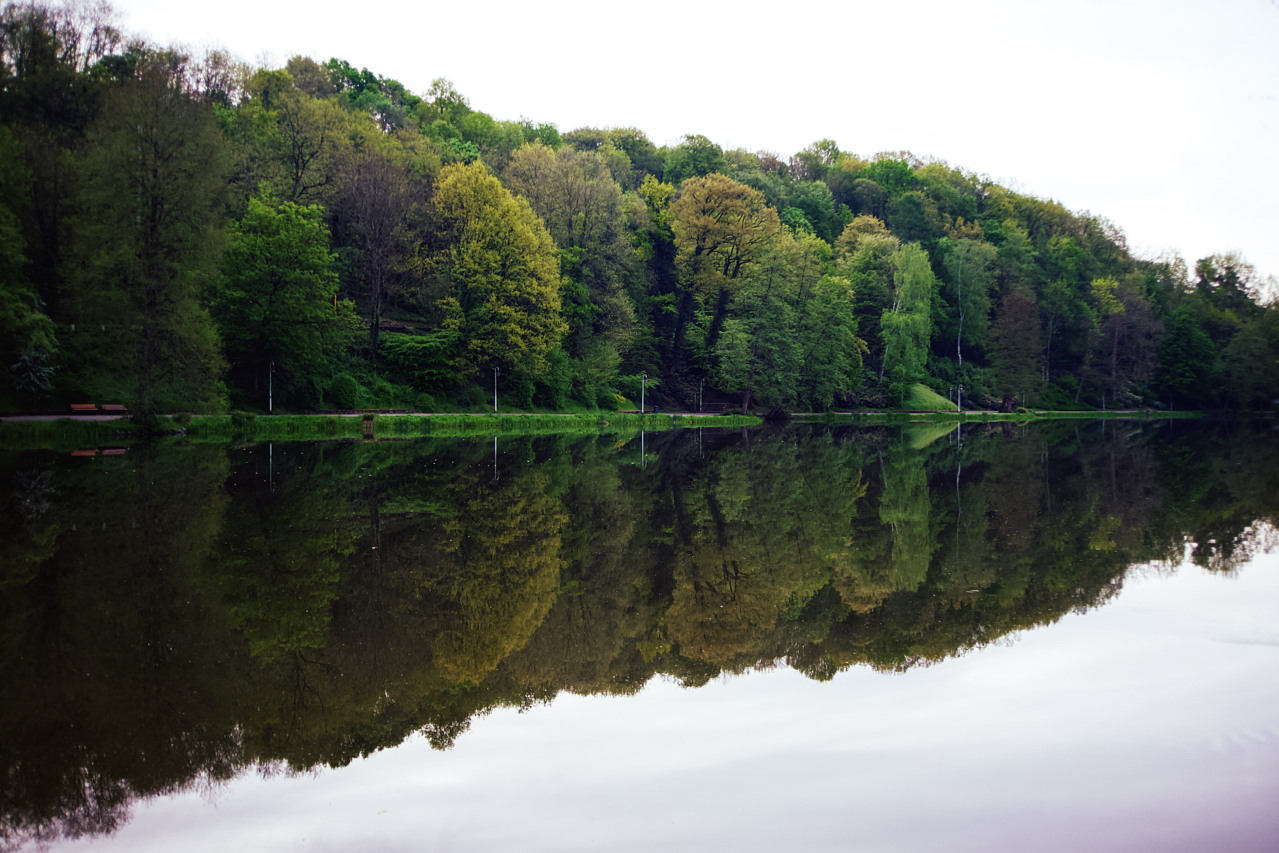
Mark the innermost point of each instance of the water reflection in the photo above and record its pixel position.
(176, 615)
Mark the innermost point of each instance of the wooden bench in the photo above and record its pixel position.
(114, 407)
(84, 407)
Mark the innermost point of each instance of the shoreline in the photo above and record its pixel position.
(33, 432)
(75, 432)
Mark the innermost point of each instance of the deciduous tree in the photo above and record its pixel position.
(278, 300)
(503, 272)
(148, 237)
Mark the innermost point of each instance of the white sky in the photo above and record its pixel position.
(1161, 116)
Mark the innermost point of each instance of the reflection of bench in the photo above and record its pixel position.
(714, 408)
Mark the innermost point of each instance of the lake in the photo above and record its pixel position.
(1058, 636)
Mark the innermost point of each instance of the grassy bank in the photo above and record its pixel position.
(895, 417)
(69, 434)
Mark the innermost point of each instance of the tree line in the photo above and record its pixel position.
(185, 231)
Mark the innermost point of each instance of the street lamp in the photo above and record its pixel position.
(643, 388)
(496, 371)
(959, 399)
(270, 397)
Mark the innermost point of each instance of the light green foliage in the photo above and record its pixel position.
(581, 205)
(721, 227)
(504, 270)
(595, 369)
(894, 176)
(907, 325)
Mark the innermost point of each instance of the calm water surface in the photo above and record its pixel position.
(1061, 637)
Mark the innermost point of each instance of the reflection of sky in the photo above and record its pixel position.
(1150, 724)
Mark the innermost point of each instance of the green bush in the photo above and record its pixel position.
(344, 392)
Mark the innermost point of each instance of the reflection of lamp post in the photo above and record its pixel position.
(643, 387)
(496, 371)
(494, 457)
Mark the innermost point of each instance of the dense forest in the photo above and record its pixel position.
(183, 613)
(181, 232)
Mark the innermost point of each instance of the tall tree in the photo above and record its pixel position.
(1015, 348)
(148, 235)
(27, 341)
(721, 227)
(278, 299)
(970, 265)
(375, 206)
(502, 272)
(581, 205)
(907, 325)
(1186, 359)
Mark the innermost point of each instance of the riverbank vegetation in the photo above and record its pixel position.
(189, 232)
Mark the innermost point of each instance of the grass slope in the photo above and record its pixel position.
(924, 399)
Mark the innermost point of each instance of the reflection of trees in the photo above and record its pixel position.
(278, 580)
(499, 573)
(767, 525)
(906, 510)
(114, 646)
(247, 617)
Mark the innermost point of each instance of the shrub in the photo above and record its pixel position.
(344, 392)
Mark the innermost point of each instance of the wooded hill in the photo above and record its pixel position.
(176, 231)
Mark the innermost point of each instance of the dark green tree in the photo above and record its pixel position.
(148, 237)
(278, 298)
(1186, 359)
